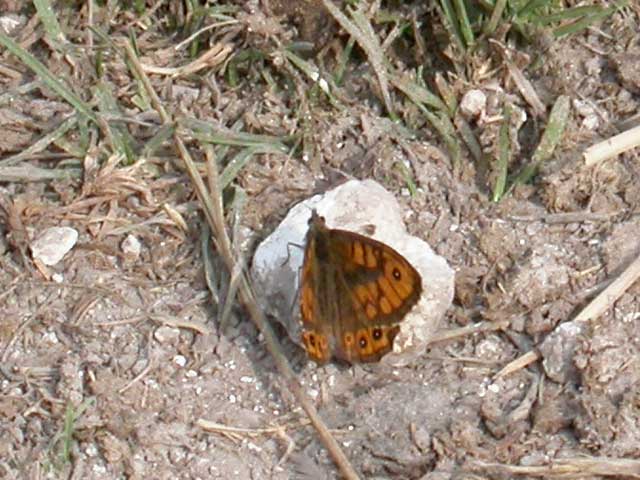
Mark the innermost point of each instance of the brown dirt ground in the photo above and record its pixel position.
(107, 373)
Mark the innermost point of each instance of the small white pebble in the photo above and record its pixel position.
(53, 244)
(473, 103)
(254, 447)
(99, 469)
(165, 334)
(50, 337)
(131, 247)
(180, 360)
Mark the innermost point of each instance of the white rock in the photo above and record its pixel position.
(131, 247)
(473, 103)
(53, 244)
(354, 206)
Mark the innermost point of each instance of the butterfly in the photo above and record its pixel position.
(354, 291)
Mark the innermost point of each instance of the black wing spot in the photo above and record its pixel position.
(377, 333)
(397, 274)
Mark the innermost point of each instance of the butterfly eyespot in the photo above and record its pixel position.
(377, 333)
(397, 274)
(312, 339)
(348, 339)
(362, 341)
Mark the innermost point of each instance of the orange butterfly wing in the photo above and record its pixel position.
(354, 292)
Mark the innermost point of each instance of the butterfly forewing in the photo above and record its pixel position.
(377, 278)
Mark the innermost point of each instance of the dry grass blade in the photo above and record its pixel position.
(179, 323)
(212, 207)
(526, 88)
(29, 173)
(456, 333)
(213, 57)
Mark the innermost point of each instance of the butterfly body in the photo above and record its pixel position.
(354, 292)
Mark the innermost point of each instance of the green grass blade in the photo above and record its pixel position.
(207, 132)
(123, 142)
(49, 21)
(504, 155)
(451, 24)
(42, 144)
(558, 119)
(417, 93)
(238, 162)
(47, 77)
(463, 19)
(163, 135)
(496, 17)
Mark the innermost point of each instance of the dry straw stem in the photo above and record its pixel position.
(519, 363)
(613, 146)
(212, 206)
(570, 468)
(611, 294)
(238, 434)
